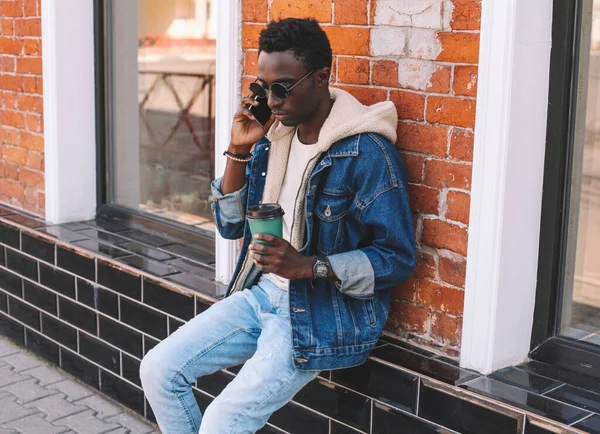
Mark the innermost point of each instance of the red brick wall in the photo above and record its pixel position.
(422, 55)
(21, 120)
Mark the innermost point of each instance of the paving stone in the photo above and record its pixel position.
(21, 361)
(131, 422)
(101, 405)
(8, 376)
(72, 389)
(35, 424)
(7, 348)
(10, 410)
(86, 422)
(28, 390)
(56, 406)
(45, 375)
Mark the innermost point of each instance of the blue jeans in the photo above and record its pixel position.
(252, 327)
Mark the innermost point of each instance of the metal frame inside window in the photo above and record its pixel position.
(546, 345)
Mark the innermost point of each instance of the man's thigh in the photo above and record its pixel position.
(224, 335)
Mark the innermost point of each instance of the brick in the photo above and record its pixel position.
(444, 235)
(29, 103)
(353, 70)
(11, 46)
(32, 47)
(12, 118)
(440, 80)
(408, 317)
(446, 174)
(250, 34)
(415, 166)
(31, 9)
(10, 136)
(28, 390)
(29, 65)
(423, 138)
(459, 47)
(451, 111)
(350, 12)
(11, 171)
(35, 423)
(389, 41)
(423, 44)
(7, 64)
(9, 100)
(465, 80)
(14, 155)
(409, 13)
(446, 329)
(251, 62)
(406, 290)
(349, 40)
(466, 15)
(440, 297)
(246, 85)
(11, 9)
(33, 123)
(86, 422)
(7, 27)
(32, 85)
(409, 105)
(11, 82)
(31, 178)
(453, 269)
(32, 141)
(458, 206)
(45, 375)
(385, 73)
(461, 144)
(254, 11)
(41, 202)
(426, 267)
(424, 199)
(35, 161)
(28, 27)
(366, 95)
(317, 9)
(10, 410)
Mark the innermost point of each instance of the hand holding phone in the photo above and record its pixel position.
(251, 122)
(261, 112)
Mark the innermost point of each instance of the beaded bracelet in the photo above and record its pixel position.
(240, 158)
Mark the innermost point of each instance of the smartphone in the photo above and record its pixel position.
(261, 112)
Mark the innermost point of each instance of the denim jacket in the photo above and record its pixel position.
(358, 215)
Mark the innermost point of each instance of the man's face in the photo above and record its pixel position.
(283, 67)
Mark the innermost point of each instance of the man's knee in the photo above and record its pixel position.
(152, 368)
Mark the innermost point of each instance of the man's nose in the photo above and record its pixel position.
(273, 101)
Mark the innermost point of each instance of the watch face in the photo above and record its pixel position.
(321, 270)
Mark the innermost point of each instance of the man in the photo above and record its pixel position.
(318, 297)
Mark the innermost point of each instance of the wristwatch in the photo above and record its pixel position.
(321, 268)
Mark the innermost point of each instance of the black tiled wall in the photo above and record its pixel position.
(96, 321)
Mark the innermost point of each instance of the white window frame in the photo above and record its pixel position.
(506, 197)
(70, 118)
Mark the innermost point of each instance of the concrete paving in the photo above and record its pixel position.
(38, 398)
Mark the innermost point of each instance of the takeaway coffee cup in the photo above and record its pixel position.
(266, 218)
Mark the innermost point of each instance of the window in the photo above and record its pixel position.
(567, 317)
(158, 123)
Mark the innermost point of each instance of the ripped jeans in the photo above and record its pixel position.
(251, 327)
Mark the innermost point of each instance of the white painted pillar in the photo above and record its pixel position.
(69, 110)
(506, 198)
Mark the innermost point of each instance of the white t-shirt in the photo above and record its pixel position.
(300, 155)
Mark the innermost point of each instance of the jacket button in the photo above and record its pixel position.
(267, 148)
(264, 174)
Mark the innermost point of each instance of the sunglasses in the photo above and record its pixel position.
(281, 91)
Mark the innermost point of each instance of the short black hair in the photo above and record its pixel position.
(303, 36)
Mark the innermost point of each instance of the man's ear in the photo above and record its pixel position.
(323, 75)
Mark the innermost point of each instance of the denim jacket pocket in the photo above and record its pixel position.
(330, 210)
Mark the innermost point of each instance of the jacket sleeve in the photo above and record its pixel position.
(229, 210)
(390, 258)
